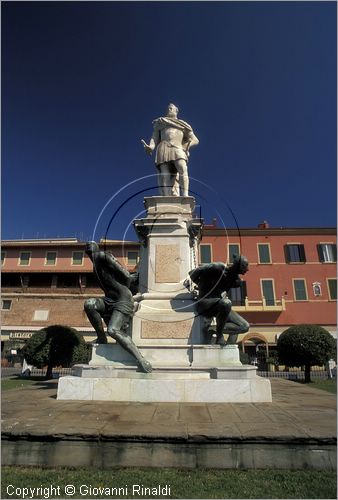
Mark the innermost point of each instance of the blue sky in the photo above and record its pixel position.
(82, 82)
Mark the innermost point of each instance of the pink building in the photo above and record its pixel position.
(291, 280)
(292, 277)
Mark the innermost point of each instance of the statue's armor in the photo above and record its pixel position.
(170, 145)
(171, 137)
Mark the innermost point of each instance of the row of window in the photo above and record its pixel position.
(294, 252)
(49, 280)
(237, 295)
(76, 260)
(300, 291)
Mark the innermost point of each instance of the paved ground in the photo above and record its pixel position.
(297, 413)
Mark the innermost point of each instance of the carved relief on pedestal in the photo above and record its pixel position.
(167, 263)
(166, 330)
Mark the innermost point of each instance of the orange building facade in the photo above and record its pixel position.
(291, 280)
(292, 277)
(45, 282)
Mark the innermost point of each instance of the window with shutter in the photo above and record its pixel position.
(50, 259)
(332, 285)
(300, 289)
(132, 258)
(264, 253)
(25, 258)
(268, 292)
(294, 252)
(234, 251)
(327, 252)
(237, 295)
(205, 254)
(77, 259)
(6, 305)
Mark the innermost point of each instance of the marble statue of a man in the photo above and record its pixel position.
(172, 139)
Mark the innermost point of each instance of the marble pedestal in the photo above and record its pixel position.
(187, 374)
(224, 384)
(166, 328)
(169, 235)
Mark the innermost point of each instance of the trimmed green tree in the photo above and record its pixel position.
(54, 346)
(305, 345)
(244, 358)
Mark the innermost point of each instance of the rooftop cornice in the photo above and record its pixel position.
(63, 243)
(272, 231)
(206, 231)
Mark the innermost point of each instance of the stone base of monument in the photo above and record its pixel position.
(186, 374)
(173, 355)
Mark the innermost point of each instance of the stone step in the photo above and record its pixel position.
(147, 388)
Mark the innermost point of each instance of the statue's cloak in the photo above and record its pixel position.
(168, 151)
(164, 121)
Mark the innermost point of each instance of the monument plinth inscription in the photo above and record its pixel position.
(166, 330)
(167, 263)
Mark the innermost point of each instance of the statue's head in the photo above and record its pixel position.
(172, 111)
(243, 264)
(91, 247)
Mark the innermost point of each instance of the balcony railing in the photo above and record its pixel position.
(261, 305)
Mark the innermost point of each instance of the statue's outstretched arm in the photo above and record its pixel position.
(154, 141)
(149, 148)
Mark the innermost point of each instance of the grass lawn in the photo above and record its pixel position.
(328, 385)
(197, 483)
(16, 382)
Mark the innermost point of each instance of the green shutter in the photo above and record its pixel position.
(264, 253)
(233, 252)
(205, 253)
(302, 253)
(300, 290)
(287, 254)
(267, 287)
(333, 289)
(320, 252)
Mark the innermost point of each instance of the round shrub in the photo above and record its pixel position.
(305, 345)
(244, 358)
(54, 346)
